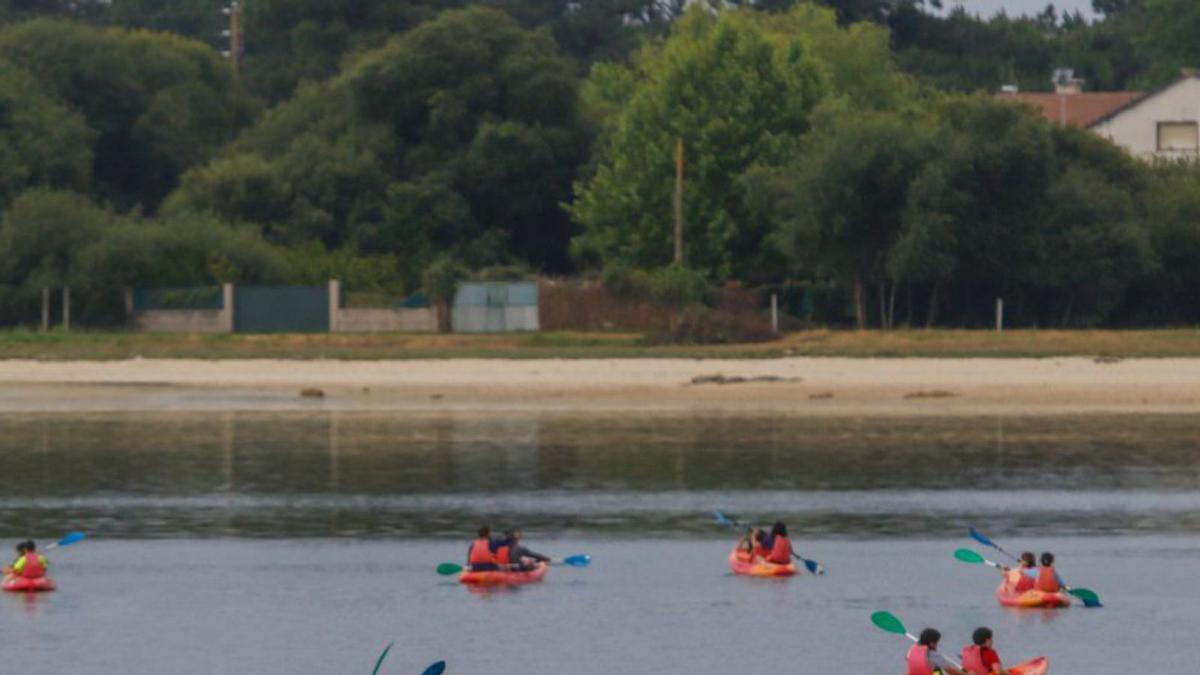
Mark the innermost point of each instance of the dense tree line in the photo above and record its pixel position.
(850, 147)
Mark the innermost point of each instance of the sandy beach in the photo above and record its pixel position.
(795, 386)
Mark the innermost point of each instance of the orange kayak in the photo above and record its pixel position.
(23, 585)
(759, 567)
(1038, 666)
(504, 577)
(1032, 599)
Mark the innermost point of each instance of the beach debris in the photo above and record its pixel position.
(821, 396)
(312, 392)
(437, 397)
(935, 393)
(1106, 358)
(737, 379)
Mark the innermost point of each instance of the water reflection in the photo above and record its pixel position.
(316, 474)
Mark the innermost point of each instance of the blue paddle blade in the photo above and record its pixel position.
(578, 560)
(72, 538)
(436, 669)
(723, 519)
(975, 534)
(382, 657)
(813, 567)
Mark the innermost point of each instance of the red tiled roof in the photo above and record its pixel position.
(1081, 109)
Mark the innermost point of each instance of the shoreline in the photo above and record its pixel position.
(797, 386)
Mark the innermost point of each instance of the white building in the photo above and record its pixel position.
(1162, 124)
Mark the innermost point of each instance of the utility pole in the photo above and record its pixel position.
(234, 33)
(679, 201)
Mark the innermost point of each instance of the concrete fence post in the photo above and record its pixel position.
(66, 308)
(999, 314)
(128, 301)
(335, 304)
(45, 309)
(227, 300)
(775, 312)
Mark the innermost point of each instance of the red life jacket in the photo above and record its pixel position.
(918, 661)
(33, 568)
(1047, 581)
(503, 555)
(481, 552)
(781, 551)
(1024, 581)
(972, 660)
(760, 551)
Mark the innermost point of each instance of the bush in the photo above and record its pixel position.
(625, 283)
(699, 325)
(677, 286)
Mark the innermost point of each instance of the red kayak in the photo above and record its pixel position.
(1032, 599)
(759, 567)
(1038, 666)
(504, 577)
(23, 585)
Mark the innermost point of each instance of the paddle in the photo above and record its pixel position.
(888, 622)
(382, 657)
(1087, 595)
(979, 537)
(448, 568)
(812, 566)
(72, 538)
(435, 669)
(969, 556)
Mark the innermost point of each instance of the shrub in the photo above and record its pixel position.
(699, 325)
(677, 286)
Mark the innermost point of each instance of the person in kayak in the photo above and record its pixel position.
(778, 546)
(1048, 580)
(512, 553)
(481, 555)
(923, 658)
(981, 658)
(1022, 578)
(29, 563)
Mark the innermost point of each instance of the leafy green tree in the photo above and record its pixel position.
(737, 97)
(42, 143)
(157, 103)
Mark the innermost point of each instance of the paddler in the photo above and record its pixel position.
(1023, 577)
(981, 658)
(923, 658)
(512, 553)
(29, 563)
(1048, 580)
(778, 546)
(481, 555)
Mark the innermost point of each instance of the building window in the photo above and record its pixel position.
(1178, 137)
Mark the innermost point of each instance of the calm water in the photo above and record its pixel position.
(303, 544)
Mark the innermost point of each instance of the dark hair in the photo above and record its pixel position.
(981, 635)
(30, 546)
(929, 638)
(1047, 559)
(1029, 558)
(759, 535)
(485, 531)
(513, 533)
(21, 547)
(779, 529)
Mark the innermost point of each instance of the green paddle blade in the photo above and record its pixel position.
(888, 622)
(968, 556)
(446, 569)
(381, 658)
(1088, 596)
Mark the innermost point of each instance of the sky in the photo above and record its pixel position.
(987, 8)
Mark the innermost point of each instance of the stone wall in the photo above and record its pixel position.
(378, 319)
(184, 320)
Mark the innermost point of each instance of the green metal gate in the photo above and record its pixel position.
(281, 309)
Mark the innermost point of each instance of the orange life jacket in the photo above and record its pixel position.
(503, 555)
(760, 551)
(33, 568)
(481, 552)
(972, 660)
(918, 661)
(1047, 581)
(781, 551)
(1024, 581)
